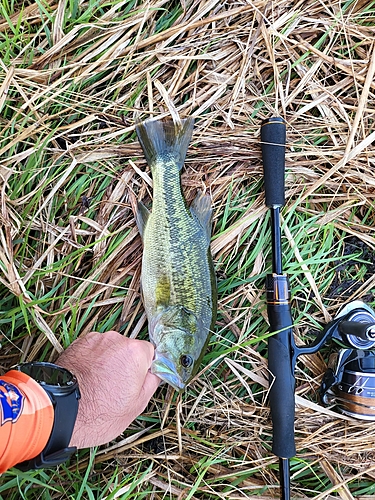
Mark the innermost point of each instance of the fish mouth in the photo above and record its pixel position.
(165, 369)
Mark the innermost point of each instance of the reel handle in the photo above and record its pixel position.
(364, 331)
(353, 327)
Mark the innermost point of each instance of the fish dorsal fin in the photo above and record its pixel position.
(141, 217)
(165, 139)
(202, 210)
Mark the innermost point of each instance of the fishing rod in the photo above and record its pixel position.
(281, 344)
(353, 328)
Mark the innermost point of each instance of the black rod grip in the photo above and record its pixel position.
(281, 396)
(273, 137)
(280, 364)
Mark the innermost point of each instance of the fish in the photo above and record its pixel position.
(178, 281)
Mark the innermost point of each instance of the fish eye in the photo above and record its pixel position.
(186, 361)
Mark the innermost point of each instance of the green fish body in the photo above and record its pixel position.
(178, 280)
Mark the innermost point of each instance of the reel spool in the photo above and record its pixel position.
(350, 385)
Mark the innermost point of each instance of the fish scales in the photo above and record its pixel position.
(169, 245)
(178, 281)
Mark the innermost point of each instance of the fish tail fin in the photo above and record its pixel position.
(160, 139)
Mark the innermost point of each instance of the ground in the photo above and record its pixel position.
(74, 79)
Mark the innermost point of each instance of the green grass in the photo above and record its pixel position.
(81, 79)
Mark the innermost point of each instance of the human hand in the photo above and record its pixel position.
(115, 384)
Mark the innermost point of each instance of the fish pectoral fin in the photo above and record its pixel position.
(160, 139)
(202, 210)
(178, 317)
(141, 217)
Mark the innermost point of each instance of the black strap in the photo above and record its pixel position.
(57, 449)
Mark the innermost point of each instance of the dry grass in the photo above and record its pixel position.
(74, 78)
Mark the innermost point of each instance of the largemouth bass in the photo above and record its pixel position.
(177, 279)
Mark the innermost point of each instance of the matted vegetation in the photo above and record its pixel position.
(75, 76)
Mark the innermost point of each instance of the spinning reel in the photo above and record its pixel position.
(349, 382)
